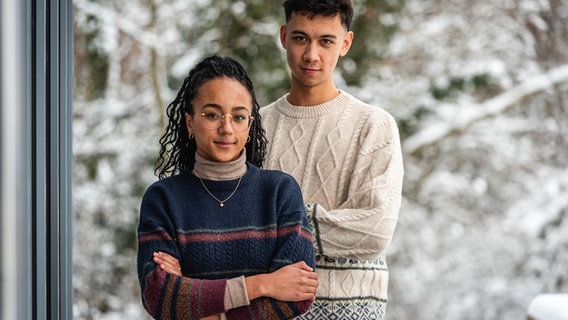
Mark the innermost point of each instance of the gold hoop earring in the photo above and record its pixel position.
(248, 139)
(190, 136)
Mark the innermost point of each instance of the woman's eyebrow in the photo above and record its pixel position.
(239, 108)
(211, 105)
(218, 107)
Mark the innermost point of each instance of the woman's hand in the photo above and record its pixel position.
(168, 263)
(295, 282)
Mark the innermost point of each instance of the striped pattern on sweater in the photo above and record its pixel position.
(262, 228)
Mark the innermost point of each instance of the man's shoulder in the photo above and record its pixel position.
(364, 109)
(270, 106)
(265, 109)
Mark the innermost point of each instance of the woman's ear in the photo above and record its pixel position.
(188, 122)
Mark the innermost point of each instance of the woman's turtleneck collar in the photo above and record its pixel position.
(212, 170)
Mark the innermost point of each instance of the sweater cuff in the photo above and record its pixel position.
(222, 316)
(311, 213)
(236, 293)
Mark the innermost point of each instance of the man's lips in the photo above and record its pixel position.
(309, 69)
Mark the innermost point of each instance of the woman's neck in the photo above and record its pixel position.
(212, 170)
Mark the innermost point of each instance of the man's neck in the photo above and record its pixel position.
(311, 96)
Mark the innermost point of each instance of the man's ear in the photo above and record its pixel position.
(346, 43)
(283, 36)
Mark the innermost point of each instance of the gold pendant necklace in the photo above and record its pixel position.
(221, 202)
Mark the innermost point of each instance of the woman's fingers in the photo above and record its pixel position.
(167, 263)
(302, 265)
(167, 258)
(312, 283)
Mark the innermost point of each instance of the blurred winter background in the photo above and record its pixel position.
(480, 92)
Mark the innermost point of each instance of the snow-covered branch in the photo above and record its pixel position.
(110, 17)
(471, 114)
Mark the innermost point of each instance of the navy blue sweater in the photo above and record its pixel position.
(260, 229)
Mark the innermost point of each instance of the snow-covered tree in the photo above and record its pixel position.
(479, 89)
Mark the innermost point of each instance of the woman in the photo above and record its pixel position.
(238, 234)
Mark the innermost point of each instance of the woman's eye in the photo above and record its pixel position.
(240, 117)
(212, 115)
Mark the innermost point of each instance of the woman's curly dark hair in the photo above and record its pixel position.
(177, 151)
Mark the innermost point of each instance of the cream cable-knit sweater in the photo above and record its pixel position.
(346, 157)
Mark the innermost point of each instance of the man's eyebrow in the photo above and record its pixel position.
(298, 32)
(302, 33)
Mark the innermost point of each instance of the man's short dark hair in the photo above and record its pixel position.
(326, 8)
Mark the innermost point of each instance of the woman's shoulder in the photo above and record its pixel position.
(270, 175)
(171, 183)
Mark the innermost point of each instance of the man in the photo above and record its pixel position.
(346, 157)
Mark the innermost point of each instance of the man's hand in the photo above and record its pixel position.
(295, 282)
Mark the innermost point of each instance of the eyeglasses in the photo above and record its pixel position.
(214, 120)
